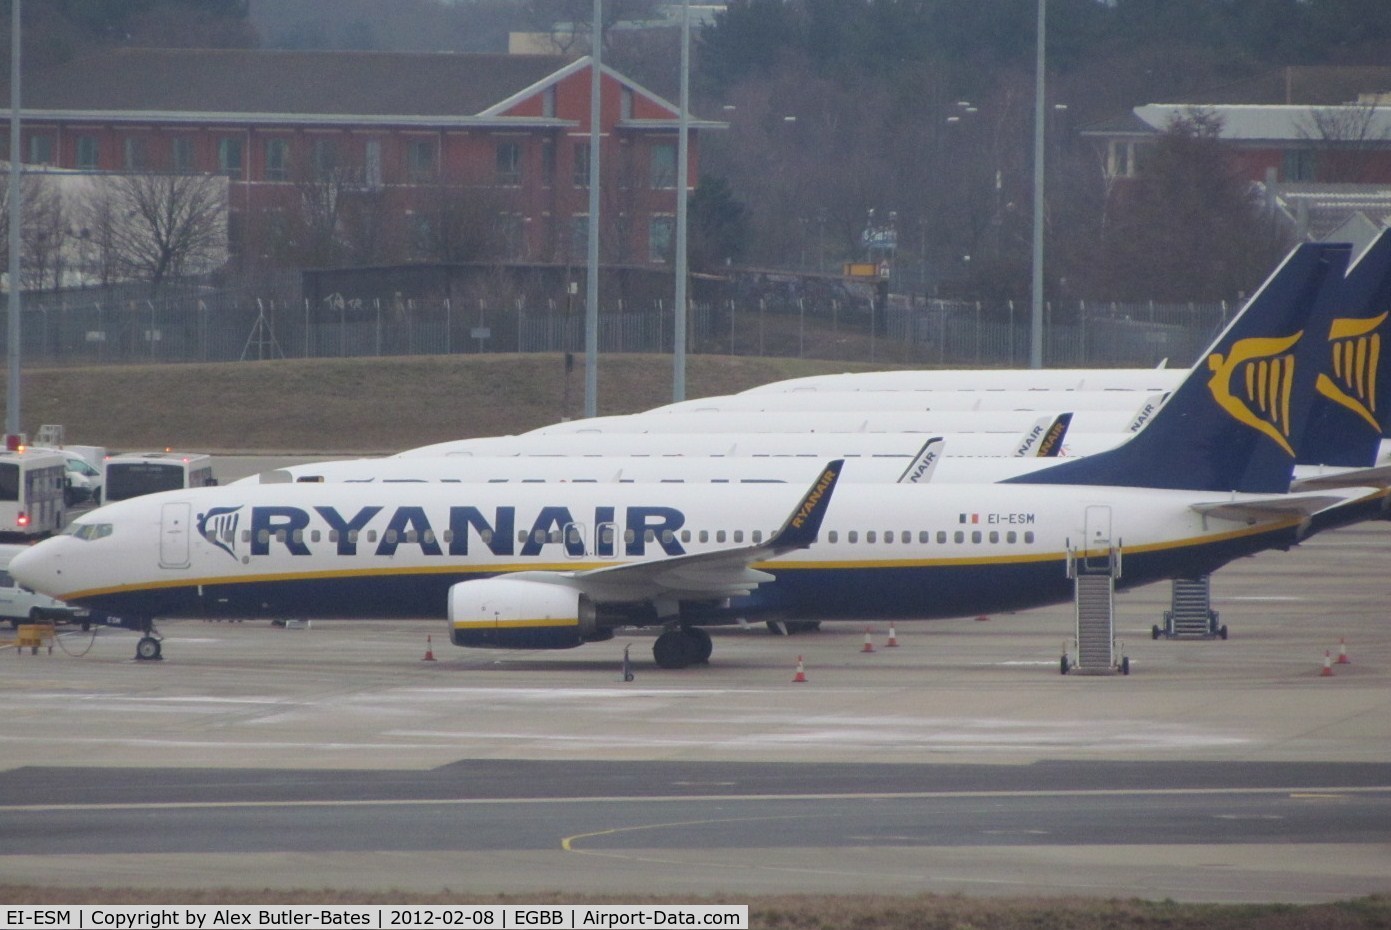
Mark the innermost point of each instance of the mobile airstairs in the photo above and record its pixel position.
(1190, 614)
(1094, 571)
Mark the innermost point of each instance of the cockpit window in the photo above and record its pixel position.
(89, 531)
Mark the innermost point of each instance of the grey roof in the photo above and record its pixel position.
(242, 81)
(1256, 123)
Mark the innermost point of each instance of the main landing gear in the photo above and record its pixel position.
(682, 646)
(149, 649)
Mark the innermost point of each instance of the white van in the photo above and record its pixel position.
(20, 605)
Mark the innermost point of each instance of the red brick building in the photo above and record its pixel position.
(362, 157)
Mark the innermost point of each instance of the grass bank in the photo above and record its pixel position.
(364, 405)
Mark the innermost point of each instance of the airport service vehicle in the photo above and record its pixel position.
(19, 604)
(132, 474)
(558, 565)
(31, 493)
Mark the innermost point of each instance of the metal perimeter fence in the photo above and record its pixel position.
(186, 323)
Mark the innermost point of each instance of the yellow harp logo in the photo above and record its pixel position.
(1356, 349)
(1254, 383)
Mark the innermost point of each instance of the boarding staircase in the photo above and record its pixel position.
(1190, 614)
(1094, 597)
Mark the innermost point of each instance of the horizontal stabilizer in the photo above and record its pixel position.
(1267, 509)
(1378, 477)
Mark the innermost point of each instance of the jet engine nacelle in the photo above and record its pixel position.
(515, 613)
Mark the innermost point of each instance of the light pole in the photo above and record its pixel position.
(1036, 303)
(591, 310)
(678, 384)
(12, 331)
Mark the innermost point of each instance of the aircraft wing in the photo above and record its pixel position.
(706, 575)
(1260, 509)
(1348, 478)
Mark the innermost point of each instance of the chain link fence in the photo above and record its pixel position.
(190, 323)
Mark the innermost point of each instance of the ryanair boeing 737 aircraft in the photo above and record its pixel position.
(558, 565)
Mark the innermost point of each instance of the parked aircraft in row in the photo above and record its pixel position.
(557, 565)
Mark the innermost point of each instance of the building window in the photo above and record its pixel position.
(277, 159)
(548, 102)
(660, 237)
(581, 173)
(625, 103)
(326, 159)
(509, 164)
(137, 153)
(579, 237)
(420, 160)
(41, 150)
(663, 166)
(548, 162)
(229, 157)
(1122, 159)
(181, 154)
(88, 154)
(511, 228)
(1299, 165)
(372, 163)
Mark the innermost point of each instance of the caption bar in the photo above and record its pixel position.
(378, 917)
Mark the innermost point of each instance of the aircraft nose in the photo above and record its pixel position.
(37, 568)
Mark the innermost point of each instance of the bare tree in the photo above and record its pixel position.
(1350, 139)
(42, 232)
(155, 226)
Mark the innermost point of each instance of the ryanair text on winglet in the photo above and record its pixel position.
(814, 498)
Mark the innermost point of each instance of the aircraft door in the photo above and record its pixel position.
(173, 535)
(1097, 545)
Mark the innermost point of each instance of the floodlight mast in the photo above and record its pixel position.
(591, 309)
(12, 330)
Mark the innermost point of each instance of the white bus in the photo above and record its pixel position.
(31, 493)
(132, 474)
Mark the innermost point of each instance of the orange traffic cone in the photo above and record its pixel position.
(429, 650)
(1327, 664)
(868, 646)
(1343, 652)
(893, 638)
(801, 672)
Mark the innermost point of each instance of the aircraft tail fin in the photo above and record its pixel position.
(1231, 424)
(805, 521)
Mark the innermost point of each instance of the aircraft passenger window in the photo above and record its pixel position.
(447, 536)
(1011, 536)
(668, 536)
(606, 536)
(739, 536)
(539, 535)
(487, 537)
(554, 536)
(314, 536)
(941, 537)
(719, 536)
(975, 536)
(994, 536)
(833, 537)
(924, 536)
(263, 536)
(371, 536)
(429, 536)
(630, 536)
(958, 537)
(389, 536)
(852, 537)
(870, 536)
(705, 536)
(649, 535)
(521, 536)
(888, 536)
(412, 536)
(1028, 536)
(280, 536)
(685, 536)
(353, 536)
(758, 536)
(297, 536)
(572, 535)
